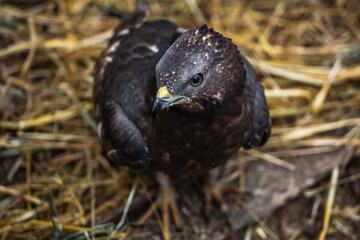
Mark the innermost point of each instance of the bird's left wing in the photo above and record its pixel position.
(255, 94)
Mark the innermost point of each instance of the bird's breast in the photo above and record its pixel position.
(192, 143)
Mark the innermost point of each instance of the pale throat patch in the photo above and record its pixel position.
(218, 96)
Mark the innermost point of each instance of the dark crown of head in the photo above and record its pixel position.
(208, 37)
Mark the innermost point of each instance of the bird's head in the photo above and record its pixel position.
(201, 66)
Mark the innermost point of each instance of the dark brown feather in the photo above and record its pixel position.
(227, 111)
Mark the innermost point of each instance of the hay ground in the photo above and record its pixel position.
(54, 180)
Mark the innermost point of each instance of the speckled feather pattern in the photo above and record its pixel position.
(227, 111)
(202, 50)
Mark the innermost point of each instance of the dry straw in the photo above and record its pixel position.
(56, 180)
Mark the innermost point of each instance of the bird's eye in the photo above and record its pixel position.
(196, 80)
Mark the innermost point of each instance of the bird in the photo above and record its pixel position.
(175, 102)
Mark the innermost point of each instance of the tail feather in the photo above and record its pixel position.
(140, 11)
(132, 20)
(140, 8)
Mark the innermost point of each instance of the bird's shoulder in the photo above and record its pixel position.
(125, 70)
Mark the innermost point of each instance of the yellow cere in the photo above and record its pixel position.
(163, 92)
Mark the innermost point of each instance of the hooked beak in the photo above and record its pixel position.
(163, 100)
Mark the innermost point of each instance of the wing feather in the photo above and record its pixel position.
(125, 87)
(255, 95)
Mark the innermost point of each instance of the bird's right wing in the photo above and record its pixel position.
(124, 87)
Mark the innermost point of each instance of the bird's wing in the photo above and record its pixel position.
(254, 93)
(124, 87)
